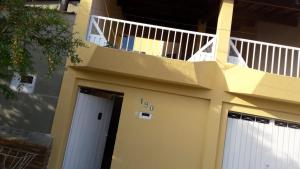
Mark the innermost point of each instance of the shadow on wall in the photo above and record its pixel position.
(29, 112)
(150, 67)
(263, 85)
(35, 111)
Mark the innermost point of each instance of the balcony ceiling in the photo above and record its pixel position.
(279, 11)
(183, 14)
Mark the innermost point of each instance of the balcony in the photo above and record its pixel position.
(171, 43)
(267, 57)
(152, 40)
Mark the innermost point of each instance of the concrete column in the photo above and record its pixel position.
(224, 30)
(63, 119)
(212, 134)
(213, 122)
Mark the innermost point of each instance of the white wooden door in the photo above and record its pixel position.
(88, 132)
(260, 143)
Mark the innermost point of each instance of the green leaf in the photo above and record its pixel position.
(23, 28)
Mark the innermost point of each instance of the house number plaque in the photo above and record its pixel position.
(147, 105)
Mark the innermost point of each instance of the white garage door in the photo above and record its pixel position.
(260, 143)
(88, 132)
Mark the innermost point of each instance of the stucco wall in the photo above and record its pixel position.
(173, 139)
(191, 102)
(190, 108)
(35, 111)
(278, 33)
(173, 129)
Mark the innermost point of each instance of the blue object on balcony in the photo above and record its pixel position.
(130, 41)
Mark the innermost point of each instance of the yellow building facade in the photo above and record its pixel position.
(189, 101)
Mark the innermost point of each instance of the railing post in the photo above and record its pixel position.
(214, 48)
(224, 30)
(89, 28)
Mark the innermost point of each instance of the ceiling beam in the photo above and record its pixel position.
(167, 15)
(270, 5)
(290, 20)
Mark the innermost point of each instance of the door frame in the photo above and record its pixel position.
(113, 125)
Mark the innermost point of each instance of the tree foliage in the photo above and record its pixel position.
(23, 28)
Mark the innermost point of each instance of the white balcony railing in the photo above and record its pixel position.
(267, 57)
(150, 39)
